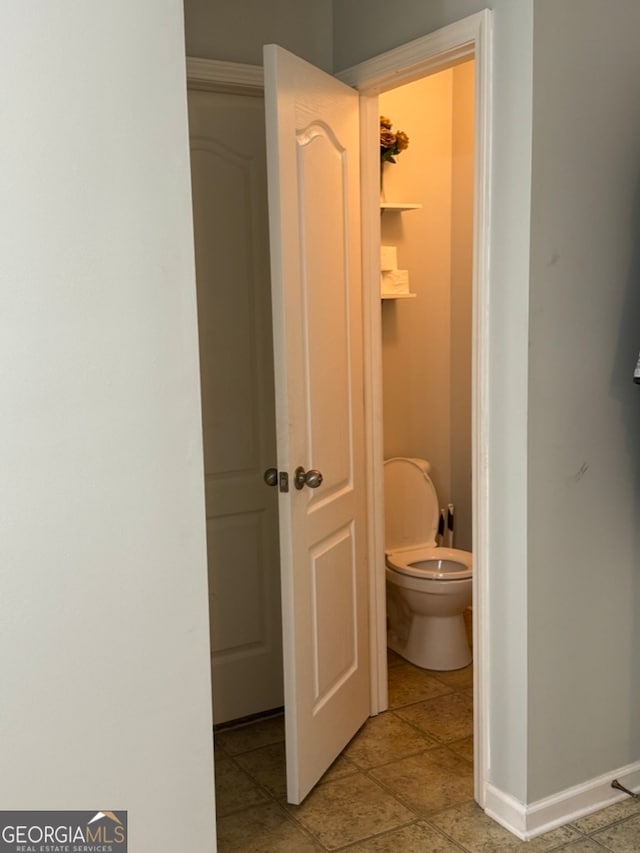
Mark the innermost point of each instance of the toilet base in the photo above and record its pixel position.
(433, 642)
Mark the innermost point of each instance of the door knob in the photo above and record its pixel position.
(271, 476)
(311, 478)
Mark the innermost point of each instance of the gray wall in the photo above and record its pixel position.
(508, 353)
(564, 597)
(359, 36)
(365, 28)
(236, 30)
(584, 410)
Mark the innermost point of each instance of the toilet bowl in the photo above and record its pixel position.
(428, 587)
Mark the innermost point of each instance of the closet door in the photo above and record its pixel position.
(236, 353)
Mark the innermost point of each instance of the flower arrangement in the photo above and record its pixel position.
(391, 143)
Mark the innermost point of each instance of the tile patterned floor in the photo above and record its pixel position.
(403, 785)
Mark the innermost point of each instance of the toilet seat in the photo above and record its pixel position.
(444, 564)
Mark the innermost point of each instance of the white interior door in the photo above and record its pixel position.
(314, 211)
(228, 167)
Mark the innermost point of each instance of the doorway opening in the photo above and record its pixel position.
(426, 340)
(460, 43)
(468, 39)
(426, 312)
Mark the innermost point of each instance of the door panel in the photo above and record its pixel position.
(313, 168)
(236, 362)
(322, 170)
(335, 648)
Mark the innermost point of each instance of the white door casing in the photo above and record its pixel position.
(471, 37)
(314, 212)
(228, 167)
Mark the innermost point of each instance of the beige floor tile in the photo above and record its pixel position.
(584, 845)
(340, 768)
(267, 766)
(408, 684)
(261, 829)
(410, 774)
(550, 841)
(218, 750)
(463, 748)
(612, 814)
(434, 780)
(622, 838)
(472, 829)
(447, 718)
(386, 738)
(253, 736)
(456, 678)
(349, 810)
(394, 659)
(416, 838)
(234, 789)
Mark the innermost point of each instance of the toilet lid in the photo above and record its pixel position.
(411, 504)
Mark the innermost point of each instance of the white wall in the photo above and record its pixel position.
(462, 206)
(103, 611)
(236, 31)
(584, 410)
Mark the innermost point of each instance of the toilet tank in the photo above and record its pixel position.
(411, 509)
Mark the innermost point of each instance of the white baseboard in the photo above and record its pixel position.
(527, 821)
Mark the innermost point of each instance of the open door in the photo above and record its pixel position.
(314, 212)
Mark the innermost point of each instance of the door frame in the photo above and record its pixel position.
(469, 38)
(214, 75)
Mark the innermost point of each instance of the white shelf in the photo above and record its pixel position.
(398, 295)
(399, 206)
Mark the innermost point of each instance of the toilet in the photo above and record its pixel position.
(428, 587)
